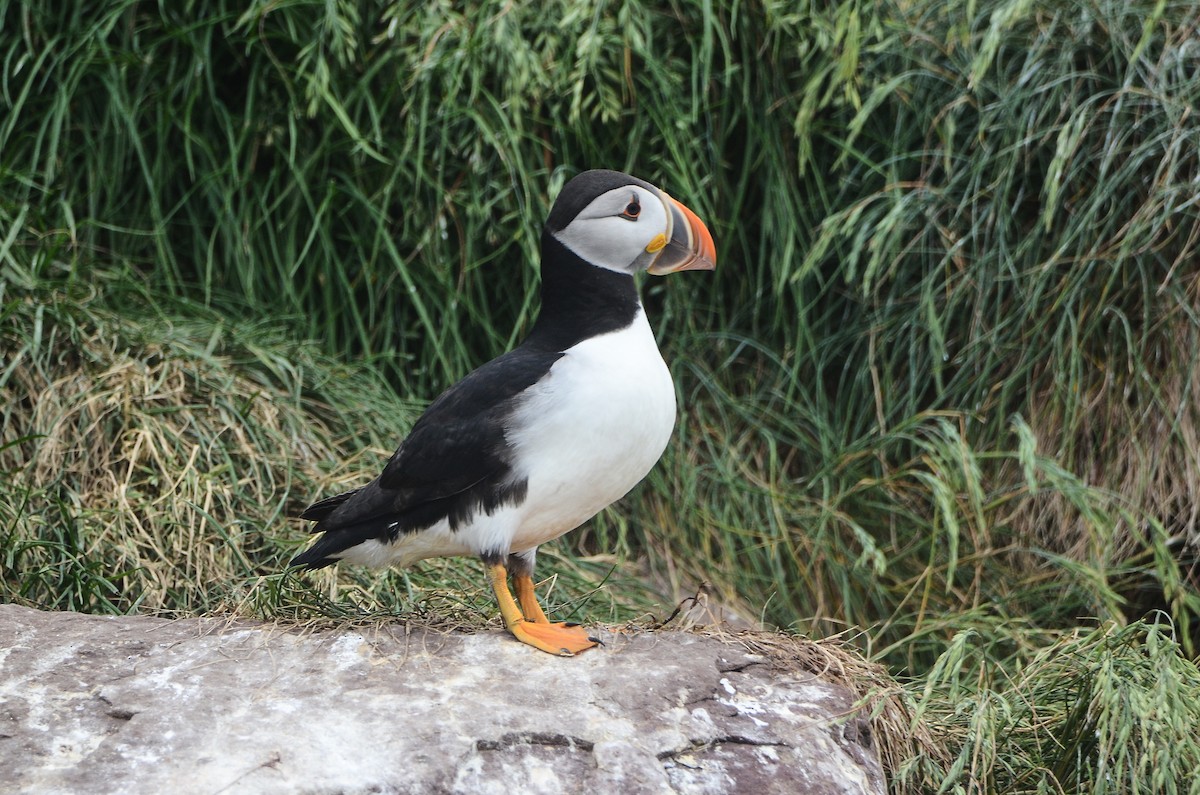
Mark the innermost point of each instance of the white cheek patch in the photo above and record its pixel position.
(602, 237)
(610, 242)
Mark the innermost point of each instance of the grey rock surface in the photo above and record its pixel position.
(144, 705)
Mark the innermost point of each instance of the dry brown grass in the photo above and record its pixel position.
(165, 464)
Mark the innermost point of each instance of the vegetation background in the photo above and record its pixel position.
(941, 395)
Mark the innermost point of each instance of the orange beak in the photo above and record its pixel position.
(689, 244)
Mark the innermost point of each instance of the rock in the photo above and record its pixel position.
(145, 705)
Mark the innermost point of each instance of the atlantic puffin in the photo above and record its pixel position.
(539, 440)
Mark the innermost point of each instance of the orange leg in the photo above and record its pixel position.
(557, 639)
(523, 585)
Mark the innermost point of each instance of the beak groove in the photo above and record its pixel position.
(690, 245)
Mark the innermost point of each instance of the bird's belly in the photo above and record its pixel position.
(592, 431)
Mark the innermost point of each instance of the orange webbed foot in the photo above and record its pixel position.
(564, 640)
(528, 623)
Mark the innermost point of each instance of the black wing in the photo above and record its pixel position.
(453, 464)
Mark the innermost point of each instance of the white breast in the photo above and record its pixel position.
(590, 430)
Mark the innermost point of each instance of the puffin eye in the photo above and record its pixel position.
(632, 210)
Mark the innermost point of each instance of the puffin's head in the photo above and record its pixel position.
(624, 224)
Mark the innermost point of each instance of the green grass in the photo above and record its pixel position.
(940, 393)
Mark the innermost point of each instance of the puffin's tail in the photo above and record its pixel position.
(323, 552)
(318, 556)
(326, 550)
(312, 559)
(322, 508)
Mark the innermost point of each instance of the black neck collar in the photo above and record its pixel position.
(579, 300)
